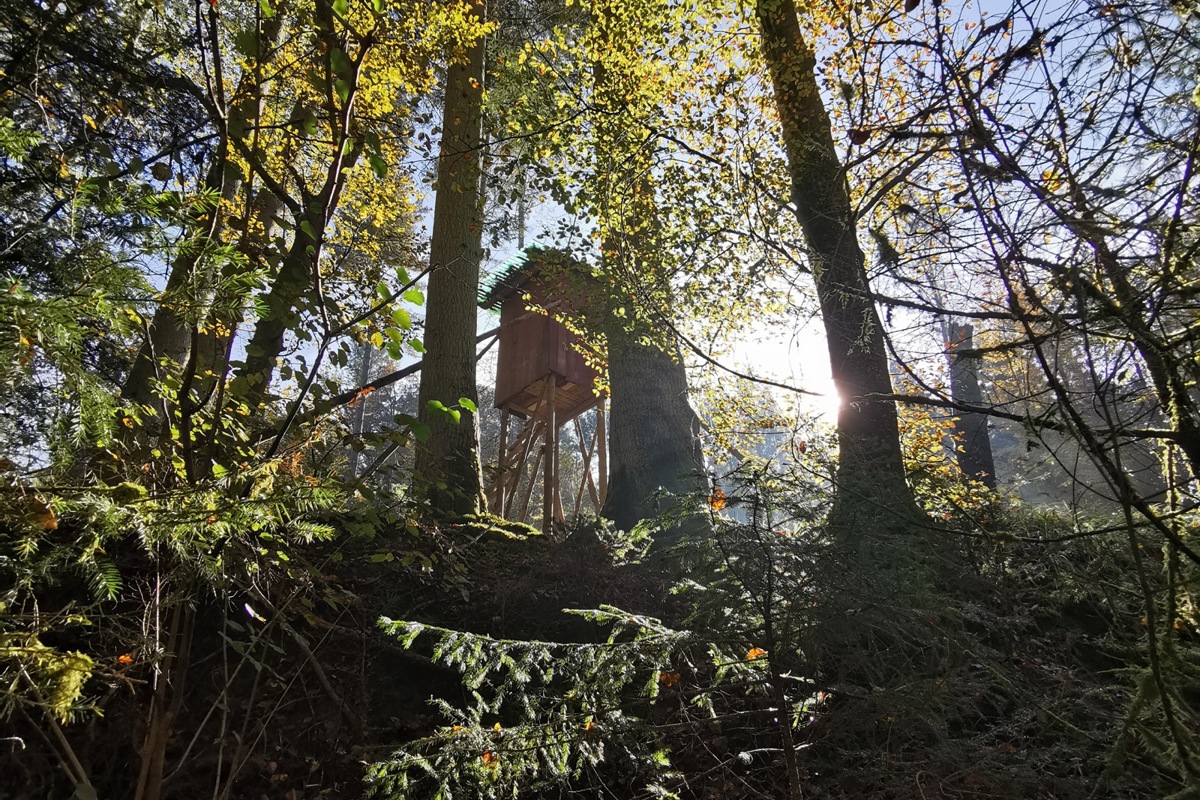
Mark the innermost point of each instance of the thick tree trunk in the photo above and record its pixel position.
(447, 465)
(654, 437)
(975, 457)
(870, 475)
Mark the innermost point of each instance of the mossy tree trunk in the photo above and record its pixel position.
(870, 477)
(448, 464)
(654, 444)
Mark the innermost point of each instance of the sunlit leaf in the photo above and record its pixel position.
(716, 501)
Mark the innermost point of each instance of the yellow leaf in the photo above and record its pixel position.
(91, 122)
(716, 500)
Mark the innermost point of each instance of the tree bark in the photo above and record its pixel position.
(169, 335)
(870, 482)
(654, 436)
(447, 465)
(975, 458)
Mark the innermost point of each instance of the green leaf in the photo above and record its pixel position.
(245, 41)
(417, 345)
(414, 296)
(379, 6)
(420, 431)
(383, 291)
(340, 63)
(264, 6)
(343, 90)
(394, 352)
(219, 471)
(341, 7)
(307, 229)
(468, 404)
(439, 409)
(402, 318)
(378, 166)
(401, 276)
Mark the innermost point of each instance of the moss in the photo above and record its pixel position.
(486, 523)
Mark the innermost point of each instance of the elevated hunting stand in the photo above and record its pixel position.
(543, 381)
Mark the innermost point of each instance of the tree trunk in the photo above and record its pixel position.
(870, 475)
(169, 335)
(365, 351)
(654, 435)
(170, 332)
(447, 465)
(975, 458)
(295, 278)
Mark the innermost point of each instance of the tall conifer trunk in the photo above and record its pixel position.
(448, 464)
(870, 473)
(975, 458)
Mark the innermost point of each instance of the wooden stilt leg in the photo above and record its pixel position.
(586, 483)
(501, 478)
(537, 463)
(517, 473)
(602, 451)
(550, 486)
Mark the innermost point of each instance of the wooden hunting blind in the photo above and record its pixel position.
(544, 381)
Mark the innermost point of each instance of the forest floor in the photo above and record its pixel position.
(1028, 696)
(1032, 680)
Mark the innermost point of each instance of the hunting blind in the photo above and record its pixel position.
(546, 378)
